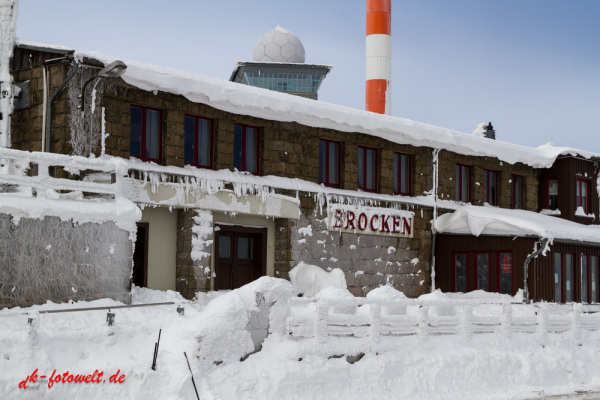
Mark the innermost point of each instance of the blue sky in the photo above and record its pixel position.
(531, 67)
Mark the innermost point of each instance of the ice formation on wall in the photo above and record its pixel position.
(8, 24)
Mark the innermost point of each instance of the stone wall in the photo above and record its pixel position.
(367, 261)
(194, 246)
(56, 260)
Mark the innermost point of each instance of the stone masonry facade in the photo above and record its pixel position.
(50, 259)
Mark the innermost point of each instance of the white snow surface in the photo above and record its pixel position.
(215, 338)
(309, 280)
(473, 220)
(261, 103)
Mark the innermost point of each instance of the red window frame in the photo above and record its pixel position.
(142, 155)
(476, 269)
(366, 169)
(580, 182)
(196, 145)
(244, 146)
(460, 184)
(398, 179)
(547, 193)
(513, 179)
(327, 180)
(466, 254)
(491, 200)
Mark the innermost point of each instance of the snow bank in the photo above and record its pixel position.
(308, 280)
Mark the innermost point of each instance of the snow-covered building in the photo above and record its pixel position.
(209, 184)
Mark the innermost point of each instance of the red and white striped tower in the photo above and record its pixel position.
(379, 56)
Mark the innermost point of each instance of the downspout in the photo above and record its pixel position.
(433, 232)
(70, 76)
(530, 257)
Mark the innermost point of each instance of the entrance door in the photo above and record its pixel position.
(140, 256)
(240, 256)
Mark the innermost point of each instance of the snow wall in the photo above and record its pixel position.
(49, 259)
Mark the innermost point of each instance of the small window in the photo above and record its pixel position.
(463, 183)
(505, 272)
(145, 141)
(198, 141)
(483, 271)
(490, 187)
(594, 279)
(329, 163)
(367, 169)
(569, 277)
(558, 277)
(516, 200)
(583, 189)
(402, 174)
(245, 148)
(460, 272)
(552, 194)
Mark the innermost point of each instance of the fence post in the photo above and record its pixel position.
(321, 321)
(507, 320)
(375, 321)
(422, 330)
(467, 322)
(542, 327)
(577, 323)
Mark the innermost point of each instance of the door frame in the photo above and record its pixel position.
(259, 231)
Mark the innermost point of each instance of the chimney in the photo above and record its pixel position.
(490, 133)
(378, 60)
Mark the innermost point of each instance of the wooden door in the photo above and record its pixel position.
(240, 256)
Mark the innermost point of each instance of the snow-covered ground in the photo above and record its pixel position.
(213, 333)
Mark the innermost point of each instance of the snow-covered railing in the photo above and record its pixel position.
(363, 317)
(30, 171)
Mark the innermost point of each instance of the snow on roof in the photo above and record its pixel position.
(505, 222)
(262, 103)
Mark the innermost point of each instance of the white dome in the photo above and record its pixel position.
(279, 45)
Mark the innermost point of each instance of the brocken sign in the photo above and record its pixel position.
(370, 220)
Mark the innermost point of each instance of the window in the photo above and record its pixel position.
(483, 271)
(552, 194)
(558, 277)
(516, 200)
(245, 148)
(490, 187)
(505, 272)
(329, 163)
(198, 141)
(463, 183)
(594, 279)
(460, 272)
(402, 174)
(145, 141)
(367, 169)
(568, 277)
(584, 279)
(582, 201)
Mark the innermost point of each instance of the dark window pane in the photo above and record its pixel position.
(553, 194)
(584, 279)
(189, 140)
(245, 248)
(506, 273)
(237, 148)
(334, 160)
(594, 282)
(405, 175)
(361, 168)
(251, 147)
(460, 267)
(569, 277)
(135, 141)
(204, 142)
(558, 277)
(224, 247)
(483, 271)
(152, 134)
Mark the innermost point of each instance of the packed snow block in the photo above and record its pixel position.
(308, 280)
(50, 259)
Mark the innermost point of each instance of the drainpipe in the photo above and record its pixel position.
(435, 196)
(70, 76)
(526, 268)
